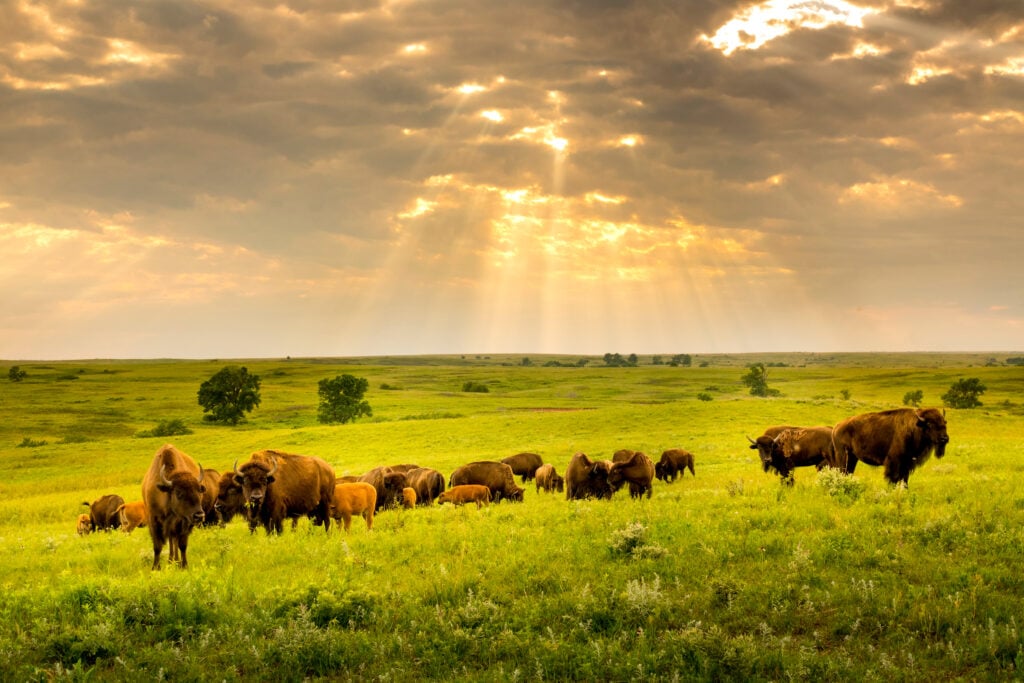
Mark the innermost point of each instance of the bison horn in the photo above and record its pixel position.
(200, 477)
(236, 467)
(274, 468)
(163, 477)
(751, 441)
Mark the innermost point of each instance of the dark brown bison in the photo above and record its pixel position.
(637, 471)
(103, 512)
(900, 440)
(389, 485)
(460, 494)
(794, 447)
(765, 445)
(548, 479)
(674, 462)
(353, 498)
(402, 468)
(428, 483)
(277, 485)
(132, 515)
(524, 464)
(174, 499)
(586, 478)
(497, 476)
(230, 499)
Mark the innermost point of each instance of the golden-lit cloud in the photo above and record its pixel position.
(754, 26)
(898, 192)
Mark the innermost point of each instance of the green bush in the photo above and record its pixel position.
(476, 387)
(705, 396)
(28, 442)
(913, 398)
(166, 428)
(838, 484)
(964, 393)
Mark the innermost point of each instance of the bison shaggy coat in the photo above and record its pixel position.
(524, 464)
(211, 482)
(133, 515)
(354, 499)
(103, 512)
(173, 497)
(277, 485)
(389, 485)
(460, 494)
(900, 440)
(497, 476)
(637, 471)
(230, 499)
(586, 478)
(428, 483)
(548, 479)
(674, 462)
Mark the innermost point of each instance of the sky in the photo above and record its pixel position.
(240, 179)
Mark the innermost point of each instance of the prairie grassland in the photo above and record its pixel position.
(722, 576)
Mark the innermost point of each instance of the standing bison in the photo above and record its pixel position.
(132, 515)
(497, 476)
(174, 499)
(353, 499)
(524, 464)
(548, 479)
(103, 512)
(586, 478)
(674, 461)
(900, 440)
(276, 485)
(782, 449)
(389, 485)
(637, 470)
(460, 494)
(428, 484)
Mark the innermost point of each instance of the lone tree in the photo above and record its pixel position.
(16, 374)
(913, 398)
(964, 393)
(229, 394)
(757, 379)
(341, 399)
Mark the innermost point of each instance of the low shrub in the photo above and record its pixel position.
(166, 428)
(475, 387)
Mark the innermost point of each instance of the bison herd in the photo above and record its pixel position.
(178, 494)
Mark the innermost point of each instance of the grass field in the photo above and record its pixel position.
(722, 576)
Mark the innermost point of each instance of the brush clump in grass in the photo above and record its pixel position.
(631, 541)
(29, 442)
(165, 428)
(840, 485)
(475, 387)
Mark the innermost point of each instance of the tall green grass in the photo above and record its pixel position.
(724, 576)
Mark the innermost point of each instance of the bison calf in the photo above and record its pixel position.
(355, 498)
(84, 524)
(133, 515)
(461, 494)
(408, 497)
(548, 479)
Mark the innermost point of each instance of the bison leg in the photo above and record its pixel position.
(183, 549)
(158, 547)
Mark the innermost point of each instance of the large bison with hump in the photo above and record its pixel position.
(427, 482)
(635, 469)
(524, 464)
(900, 440)
(586, 478)
(389, 484)
(174, 500)
(784, 448)
(103, 512)
(276, 485)
(497, 476)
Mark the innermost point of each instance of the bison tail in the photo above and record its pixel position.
(87, 504)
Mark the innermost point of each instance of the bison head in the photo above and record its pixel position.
(230, 499)
(255, 478)
(558, 481)
(767, 449)
(932, 423)
(185, 494)
(661, 471)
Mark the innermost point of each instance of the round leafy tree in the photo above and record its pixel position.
(964, 393)
(341, 399)
(229, 394)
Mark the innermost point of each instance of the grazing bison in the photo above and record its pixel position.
(353, 498)
(408, 498)
(402, 468)
(428, 483)
(900, 440)
(174, 500)
(524, 464)
(132, 515)
(497, 476)
(548, 479)
(794, 447)
(460, 494)
(84, 524)
(277, 485)
(637, 471)
(674, 461)
(389, 485)
(586, 478)
(230, 499)
(103, 512)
